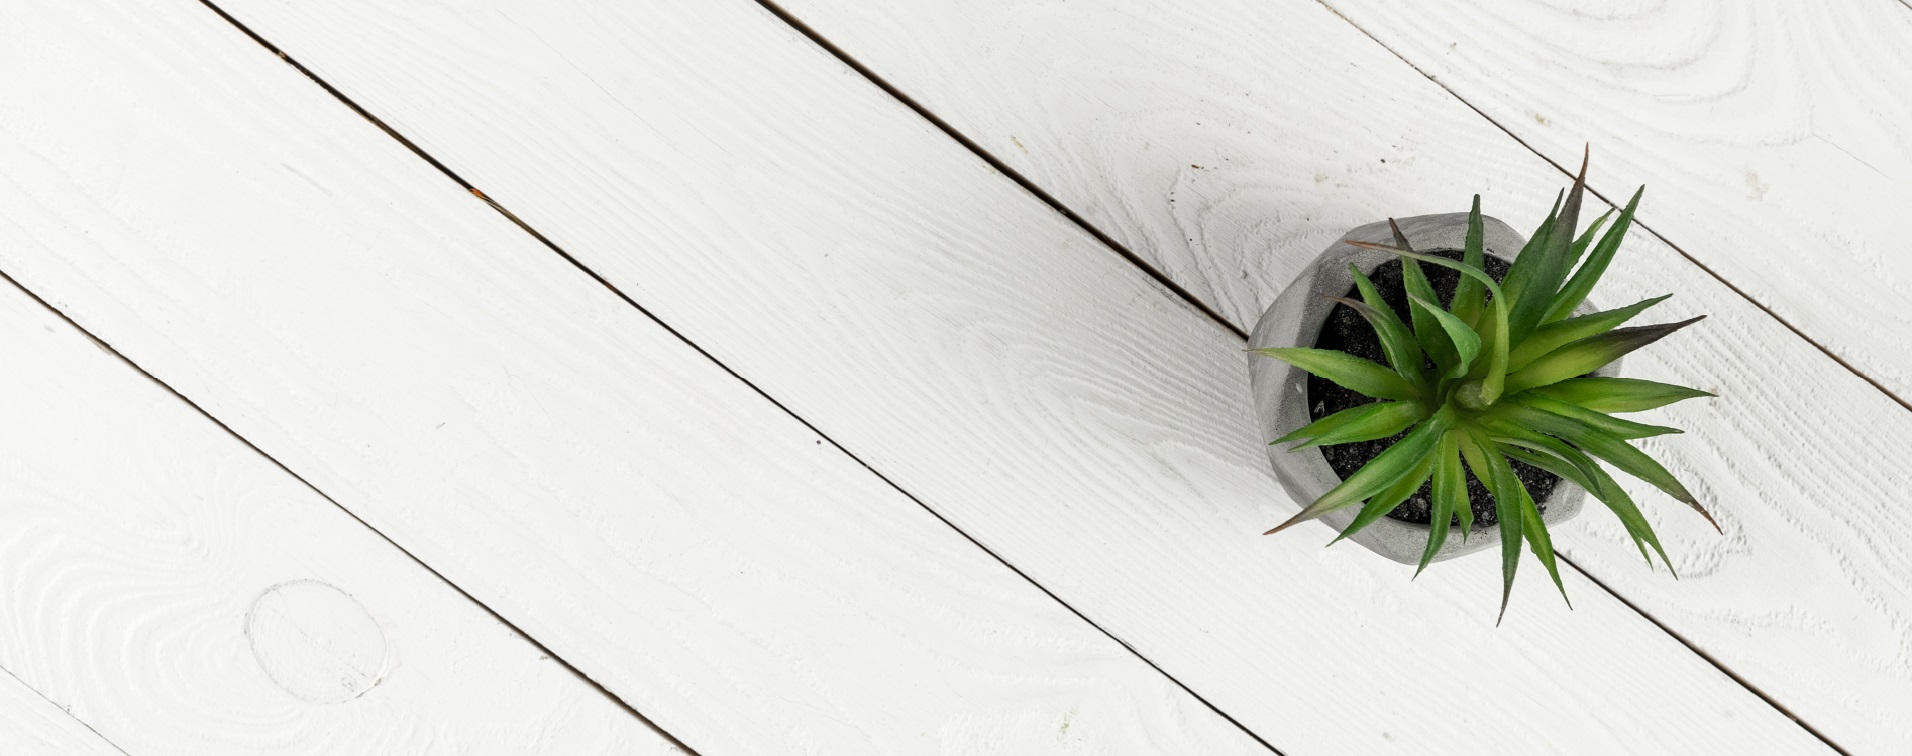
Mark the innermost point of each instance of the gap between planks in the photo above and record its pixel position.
(843, 56)
(1841, 361)
(539, 645)
(1183, 294)
(16, 678)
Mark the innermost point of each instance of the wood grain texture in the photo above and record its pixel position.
(181, 594)
(991, 357)
(1228, 144)
(31, 725)
(189, 198)
(1776, 137)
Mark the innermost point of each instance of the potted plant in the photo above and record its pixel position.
(1442, 373)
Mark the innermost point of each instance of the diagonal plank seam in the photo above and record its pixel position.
(539, 645)
(1823, 349)
(36, 691)
(595, 276)
(845, 58)
(1001, 167)
(1717, 664)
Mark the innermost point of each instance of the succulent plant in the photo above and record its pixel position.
(1499, 374)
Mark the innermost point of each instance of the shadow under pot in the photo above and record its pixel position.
(1287, 397)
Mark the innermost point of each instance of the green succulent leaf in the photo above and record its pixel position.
(1414, 280)
(1615, 451)
(1538, 540)
(1555, 335)
(1507, 433)
(1364, 423)
(1493, 340)
(1589, 354)
(1469, 295)
(1577, 288)
(1347, 371)
(1403, 351)
(1494, 472)
(1397, 344)
(1584, 473)
(1618, 394)
(1535, 296)
(1455, 337)
(1605, 423)
(1449, 493)
(1333, 421)
(1529, 258)
(1390, 497)
(1386, 468)
(1586, 238)
(1623, 507)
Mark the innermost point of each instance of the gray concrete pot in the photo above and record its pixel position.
(1280, 389)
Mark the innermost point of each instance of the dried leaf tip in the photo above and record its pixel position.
(1284, 526)
(1400, 239)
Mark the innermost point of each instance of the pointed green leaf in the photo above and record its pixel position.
(1403, 352)
(1577, 288)
(1390, 497)
(1426, 330)
(1553, 463)
(1589, 354)
(1347, 371)
(1558, 334)
(1489, 329)
(1336, 420)
(1615, 451)
(1449, 493)
(1603, 488)
(1493, 471)
(1386, 468)
(1386, 420)
(1605, 423)
(1469, 295)
(1464, 509)
(1456, 337)
(1539, 541)
(1508, 433)
(1496, 348)
(1586, 238)
(1623, 507)
(1536, 297)
(1528, 260)
(1618, 394)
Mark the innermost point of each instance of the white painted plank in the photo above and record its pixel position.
(1776, 136)
(991, 357)
(31, 725)
(182, 594)
(1229, 142)
(191, 199)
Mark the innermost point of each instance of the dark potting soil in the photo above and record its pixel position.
(1347, 331)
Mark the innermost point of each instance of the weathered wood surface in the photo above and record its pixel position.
(996, 362)
(179, 593)
(1228, 143)
(225, 224)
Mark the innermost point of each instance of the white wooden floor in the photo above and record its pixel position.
(842, 377)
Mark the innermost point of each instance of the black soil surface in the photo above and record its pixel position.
(1347, 331)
